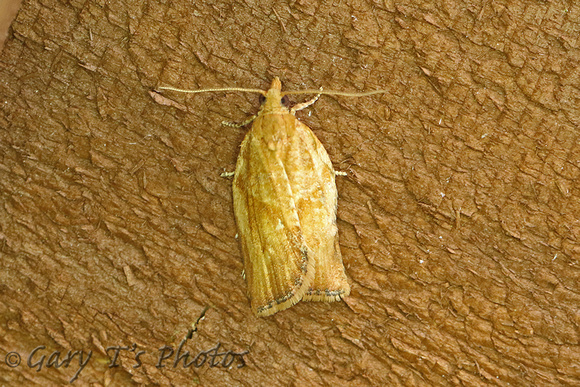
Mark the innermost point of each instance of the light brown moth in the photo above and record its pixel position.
(285, 202)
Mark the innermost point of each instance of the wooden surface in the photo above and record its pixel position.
(458, 219)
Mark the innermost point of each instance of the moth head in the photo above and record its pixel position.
(273, 97)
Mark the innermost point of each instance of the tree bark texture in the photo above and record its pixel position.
(458, 219)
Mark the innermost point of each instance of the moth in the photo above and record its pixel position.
(285, 202)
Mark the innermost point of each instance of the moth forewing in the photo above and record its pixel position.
(330, 282)
(314, 189)
(278, 264)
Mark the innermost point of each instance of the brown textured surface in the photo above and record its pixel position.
(458, 221)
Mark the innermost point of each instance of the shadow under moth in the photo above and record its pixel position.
(285, 201)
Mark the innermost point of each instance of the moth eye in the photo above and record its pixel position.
(284, 101)
(262, 99)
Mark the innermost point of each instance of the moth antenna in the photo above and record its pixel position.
(212, 90)
(332, 92)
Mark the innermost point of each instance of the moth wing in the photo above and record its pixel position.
(315, 196)
(277, 262)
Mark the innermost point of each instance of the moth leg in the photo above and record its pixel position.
(227, 174)
(340, 173)
(303, 105)
(239, 125)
